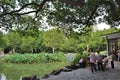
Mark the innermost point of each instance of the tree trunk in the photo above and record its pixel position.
(98, 48)
(14, 47)
(87, 48)
(53, 50)
(13, 51)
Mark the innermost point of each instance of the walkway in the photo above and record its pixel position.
(85, 74)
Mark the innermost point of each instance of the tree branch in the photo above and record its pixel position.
(16, 12)
(93, 12)
(118, 2)
(114, 13)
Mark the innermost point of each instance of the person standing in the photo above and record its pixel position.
(112, 58)
(92, 61)
(99, 62)
(118, 55)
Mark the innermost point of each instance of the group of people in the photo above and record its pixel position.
(97, 62)
(100, 60)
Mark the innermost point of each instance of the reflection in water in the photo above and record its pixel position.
(2, 77)
(20, 78)
(70, 57)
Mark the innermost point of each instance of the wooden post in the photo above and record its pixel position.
(107, 46)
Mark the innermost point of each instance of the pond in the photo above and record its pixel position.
(2, 77)
(70, 57)
(9, 71)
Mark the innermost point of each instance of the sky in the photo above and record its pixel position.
(102, 26)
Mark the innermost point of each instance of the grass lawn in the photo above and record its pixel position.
(15, 71)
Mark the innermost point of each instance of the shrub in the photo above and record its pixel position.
(78, 57)
(34, 58)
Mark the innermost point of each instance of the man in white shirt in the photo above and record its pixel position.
(99, 62)
(92, 61)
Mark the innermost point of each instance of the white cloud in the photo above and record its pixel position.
(103, 26)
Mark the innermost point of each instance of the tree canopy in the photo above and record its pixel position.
(53, 38)
(75, 13)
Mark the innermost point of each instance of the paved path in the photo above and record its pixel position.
(85, 74)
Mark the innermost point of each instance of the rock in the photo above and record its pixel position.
(73, 66)
(56, 72)
(46, 76)
(66, 70)
(30, 78)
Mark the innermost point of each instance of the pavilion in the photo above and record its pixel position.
(113, 41)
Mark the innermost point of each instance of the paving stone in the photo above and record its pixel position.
(85, 74)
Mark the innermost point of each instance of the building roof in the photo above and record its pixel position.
(115, 35)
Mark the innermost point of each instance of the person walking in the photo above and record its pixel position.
(92, 61)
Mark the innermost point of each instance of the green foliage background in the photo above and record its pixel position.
(25, 41)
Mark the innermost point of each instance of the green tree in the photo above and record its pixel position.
(38, 41)
(12, 39)
(2, 42)
(53, 38)
(70, 45)
(84, 38)
(96, 40)
(27, 44)
(93, 39)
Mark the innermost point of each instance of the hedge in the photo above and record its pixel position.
(34, 58)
